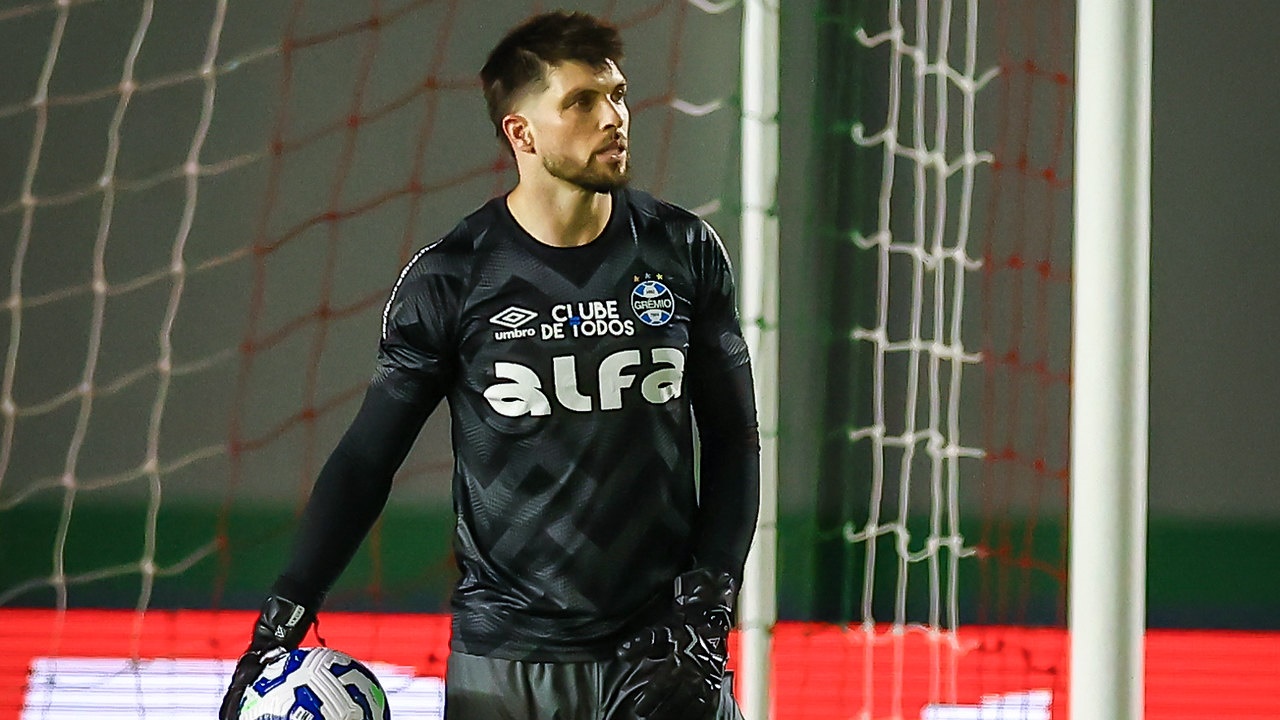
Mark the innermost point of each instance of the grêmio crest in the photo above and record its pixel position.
(652, 301)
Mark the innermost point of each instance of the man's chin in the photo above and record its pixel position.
(598, 179)
(608, 187)
(602, 183)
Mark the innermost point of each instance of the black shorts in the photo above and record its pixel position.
(481, 688)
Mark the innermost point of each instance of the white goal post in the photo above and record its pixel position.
(1110, 350)
(1107, 565)
(759, 301)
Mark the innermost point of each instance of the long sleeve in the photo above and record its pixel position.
(351, 491)
(414, 370)
(729, 496)
(723, 400)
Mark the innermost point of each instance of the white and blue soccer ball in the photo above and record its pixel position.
(315, 684)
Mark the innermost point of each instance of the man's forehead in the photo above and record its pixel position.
(574, 74)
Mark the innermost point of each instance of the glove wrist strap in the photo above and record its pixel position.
(282, 623)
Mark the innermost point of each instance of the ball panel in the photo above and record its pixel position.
(315, 684)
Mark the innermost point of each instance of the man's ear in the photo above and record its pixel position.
(519, 133)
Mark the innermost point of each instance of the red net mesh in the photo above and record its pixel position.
(212, 203)
(334, 135)
(1026, 307)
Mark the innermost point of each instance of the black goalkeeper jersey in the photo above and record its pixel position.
(568, 374)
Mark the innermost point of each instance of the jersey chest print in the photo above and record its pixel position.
(602, 351)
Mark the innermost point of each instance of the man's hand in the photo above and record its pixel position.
(680, 662)
(280, 628)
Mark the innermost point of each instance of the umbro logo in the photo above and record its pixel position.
(513, 317)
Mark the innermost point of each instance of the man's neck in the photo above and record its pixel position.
(560, 215)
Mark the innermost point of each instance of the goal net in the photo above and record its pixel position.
(203, 205)
(941, 503)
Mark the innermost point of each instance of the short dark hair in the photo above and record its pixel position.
(523, 57)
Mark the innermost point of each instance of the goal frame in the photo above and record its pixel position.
(1110, 351)
(1111, 257)
(759, 301)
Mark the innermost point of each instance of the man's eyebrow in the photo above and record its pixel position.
(577, 93)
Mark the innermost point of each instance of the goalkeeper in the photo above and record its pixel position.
(579, 329)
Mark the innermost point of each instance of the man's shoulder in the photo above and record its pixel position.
(677, 227)
(472, 229)
(454, 252)
(650, 210)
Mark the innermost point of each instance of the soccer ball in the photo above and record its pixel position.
(315, 684)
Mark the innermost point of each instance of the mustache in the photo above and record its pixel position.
(619, 142)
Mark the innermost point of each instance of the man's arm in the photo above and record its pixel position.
(352, 488)
(729, 495)
(413, 373)
(722, 394)
(680, 662)
(348, 496)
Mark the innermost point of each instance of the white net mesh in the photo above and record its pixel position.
(951, 536)
(207, 202)
(935, 248)
(203, 204)
(40, 300)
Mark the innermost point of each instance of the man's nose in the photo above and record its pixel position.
(611, 116)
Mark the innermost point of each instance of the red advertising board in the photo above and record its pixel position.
(67, 664)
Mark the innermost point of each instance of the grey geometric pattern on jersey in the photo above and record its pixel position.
(572, 429)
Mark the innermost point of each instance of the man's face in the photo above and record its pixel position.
(580, 124)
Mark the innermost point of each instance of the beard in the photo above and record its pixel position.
(595, 176)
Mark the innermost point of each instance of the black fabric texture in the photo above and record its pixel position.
(481, 688)
(574, 377)
(351, 490)
(729, 469)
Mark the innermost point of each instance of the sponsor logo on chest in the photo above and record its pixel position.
(521, 391)
(650, 301)
(595, 318)
(653, 375)
(514, 318)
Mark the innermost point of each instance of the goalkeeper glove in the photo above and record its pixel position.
(280, 629)
(680, 662)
